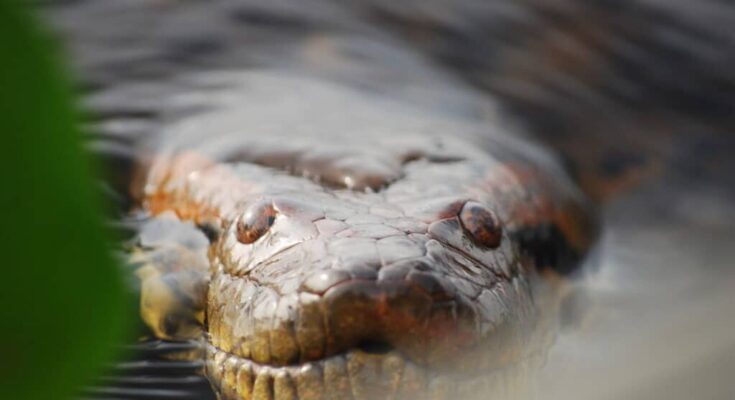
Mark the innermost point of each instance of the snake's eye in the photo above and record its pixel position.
(255, 222)
(481, 224)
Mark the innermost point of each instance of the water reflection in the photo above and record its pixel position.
(659, 321)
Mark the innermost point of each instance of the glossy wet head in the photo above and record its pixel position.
(307, 277)
(342, 277)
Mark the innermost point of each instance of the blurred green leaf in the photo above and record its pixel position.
(62, 302)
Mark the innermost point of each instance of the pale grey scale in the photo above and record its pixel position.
(330, 227)
(364, 219)
(495, 311)
(321, 280)
(386, 210)
(355, 251)
(283, 268)
(398, 247)
(426, 209)
(303, 208)
(465, 287)
(396, 271)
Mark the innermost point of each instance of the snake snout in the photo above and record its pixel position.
(416, 316)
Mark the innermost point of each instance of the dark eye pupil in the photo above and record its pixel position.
(481, 224)
(255, 222)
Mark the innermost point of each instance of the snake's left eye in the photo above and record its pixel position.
(482, 225)
(255, 222)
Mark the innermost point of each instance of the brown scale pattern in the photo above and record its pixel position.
(361, 276)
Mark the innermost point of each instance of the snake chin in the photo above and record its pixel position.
(372, 370)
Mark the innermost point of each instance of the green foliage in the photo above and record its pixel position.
(61, 293)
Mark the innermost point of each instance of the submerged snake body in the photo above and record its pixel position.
(354, 255)
(332, 215)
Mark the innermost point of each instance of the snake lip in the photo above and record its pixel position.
(354, 373)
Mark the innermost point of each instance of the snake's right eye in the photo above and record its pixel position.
(255, 222)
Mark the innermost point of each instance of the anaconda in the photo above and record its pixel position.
(375, 260)
(374, 227)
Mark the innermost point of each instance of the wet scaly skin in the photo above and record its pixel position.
(377, 265)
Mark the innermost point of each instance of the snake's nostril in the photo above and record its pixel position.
(376, 347)
(378, 317)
